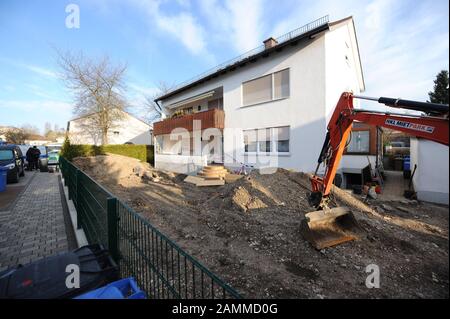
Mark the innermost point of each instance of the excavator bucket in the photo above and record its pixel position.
(330, 227)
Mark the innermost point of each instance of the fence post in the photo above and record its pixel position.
(64, 171)
(113, 242)
(69, 184)
(77, 197)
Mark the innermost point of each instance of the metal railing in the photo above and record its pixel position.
(161, 268)
(283, 38)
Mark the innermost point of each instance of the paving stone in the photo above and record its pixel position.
(34, 227)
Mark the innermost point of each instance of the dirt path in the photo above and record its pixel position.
(248, 234)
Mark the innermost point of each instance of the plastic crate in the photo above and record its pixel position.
(121, 289)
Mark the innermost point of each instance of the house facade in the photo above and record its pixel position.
(126, 130)
(269, 108)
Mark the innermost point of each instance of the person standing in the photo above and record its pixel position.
(29, 156)
(36, 155)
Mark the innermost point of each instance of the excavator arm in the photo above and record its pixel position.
(432, 127)
(327, 226)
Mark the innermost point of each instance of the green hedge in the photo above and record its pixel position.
(143, 153)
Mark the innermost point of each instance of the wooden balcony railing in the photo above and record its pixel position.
(213, 118)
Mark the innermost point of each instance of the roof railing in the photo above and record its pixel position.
(281, 39)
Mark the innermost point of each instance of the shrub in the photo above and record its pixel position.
(143, 153)
(135, 151)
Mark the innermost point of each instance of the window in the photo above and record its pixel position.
(282, 139)
(6, 155)
(215, 104)
(267, 140)
(267, 88)
(257, 91)
(360, 142)
(250, 143)
(281, 84)
(264, 140)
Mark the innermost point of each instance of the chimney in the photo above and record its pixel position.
(270, 43)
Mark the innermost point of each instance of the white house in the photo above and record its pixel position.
(270, 105)
(431, 179)
(127, 130)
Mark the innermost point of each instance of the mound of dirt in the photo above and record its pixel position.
(248, 233)
(244, 201)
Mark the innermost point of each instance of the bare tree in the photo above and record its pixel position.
(30, 129)
(16, 136)
(153, 110)
(98, 89)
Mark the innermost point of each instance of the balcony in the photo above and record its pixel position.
(213, 118)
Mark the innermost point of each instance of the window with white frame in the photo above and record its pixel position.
(359, 142)
(267, 88)
(267, 140)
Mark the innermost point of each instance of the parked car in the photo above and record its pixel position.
(53, 154)
(11, 157)
(24, 148)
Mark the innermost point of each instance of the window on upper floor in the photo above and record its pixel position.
(266, 88)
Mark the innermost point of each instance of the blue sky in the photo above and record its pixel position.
(403, 44)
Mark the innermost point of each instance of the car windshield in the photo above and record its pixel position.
(6, 155)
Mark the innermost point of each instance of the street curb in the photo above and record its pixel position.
(80, 236)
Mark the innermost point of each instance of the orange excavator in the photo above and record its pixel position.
(327, 226)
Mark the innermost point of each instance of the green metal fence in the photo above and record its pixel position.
(160, 266)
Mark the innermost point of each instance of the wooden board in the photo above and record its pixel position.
(231, 178)
(211, 182)
(193, 179)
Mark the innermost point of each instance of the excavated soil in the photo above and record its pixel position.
(248, 233)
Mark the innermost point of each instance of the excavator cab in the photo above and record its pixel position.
(329, 226)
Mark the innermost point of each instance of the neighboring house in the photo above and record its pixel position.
(271, 105)
(364, 147)
(36, 139)
(431, 179)
(127, 130)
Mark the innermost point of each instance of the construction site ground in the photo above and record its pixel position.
(248, 233)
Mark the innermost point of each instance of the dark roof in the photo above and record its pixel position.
(291, 38)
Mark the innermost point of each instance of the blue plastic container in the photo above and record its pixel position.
(120, 289)
(3, 178)
(406, 163)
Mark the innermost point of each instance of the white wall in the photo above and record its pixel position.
(343, 69)
(180, 163)
(357, 161)
(431, 180)
(130, 129)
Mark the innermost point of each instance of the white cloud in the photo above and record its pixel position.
(237, 23)
(30, 67)
(143, 90)
(42, 106)
(41, 71)
(182, 26)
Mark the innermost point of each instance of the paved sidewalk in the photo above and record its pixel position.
(34, 227)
